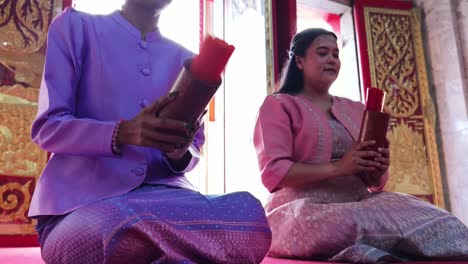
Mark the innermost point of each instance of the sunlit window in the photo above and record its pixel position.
(185, 33)
(347, 83)
(246, 88)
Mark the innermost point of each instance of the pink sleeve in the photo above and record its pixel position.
(273, 141)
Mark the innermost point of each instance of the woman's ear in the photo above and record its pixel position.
(299, 62)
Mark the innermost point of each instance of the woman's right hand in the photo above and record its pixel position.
(149, 130)
(358, 159)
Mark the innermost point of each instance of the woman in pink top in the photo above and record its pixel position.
(321, 207)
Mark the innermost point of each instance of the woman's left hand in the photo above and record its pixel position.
(385, 159)
(375, 178)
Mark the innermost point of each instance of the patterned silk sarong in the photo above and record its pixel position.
(339, 220)
(159, 224)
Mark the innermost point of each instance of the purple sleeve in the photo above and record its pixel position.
(56, 128)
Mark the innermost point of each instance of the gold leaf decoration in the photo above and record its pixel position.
(409, 170)
(393, 59)
(10, 205)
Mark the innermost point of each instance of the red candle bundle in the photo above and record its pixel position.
(375, 99)
(374, 123)
(198, 81)
(214, 55)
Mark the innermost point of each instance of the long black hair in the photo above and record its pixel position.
(292, 78)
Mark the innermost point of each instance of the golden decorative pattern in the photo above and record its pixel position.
(19, 156)
(393, 62)
(17, 205)
(23, 31)
(428, 110)
(24, 25)
(408, 175)
(398, 65)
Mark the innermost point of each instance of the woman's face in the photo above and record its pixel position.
(320, 63)
(151, 4)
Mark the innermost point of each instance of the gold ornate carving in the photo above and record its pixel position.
(23, 31)
(398, 65)
(428, 110)
(408, 175)
(26, 23)
(10, 209)
(18, 155)
(393, 62)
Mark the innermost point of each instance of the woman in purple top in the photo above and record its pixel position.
(114, 189)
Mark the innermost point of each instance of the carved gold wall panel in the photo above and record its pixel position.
(23, 31)
(18, 203)
(24, 25)
(398, 66)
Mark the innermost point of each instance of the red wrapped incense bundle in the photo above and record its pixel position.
(214, 55)
(198, 81)
(374, 99)
(374, 123)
